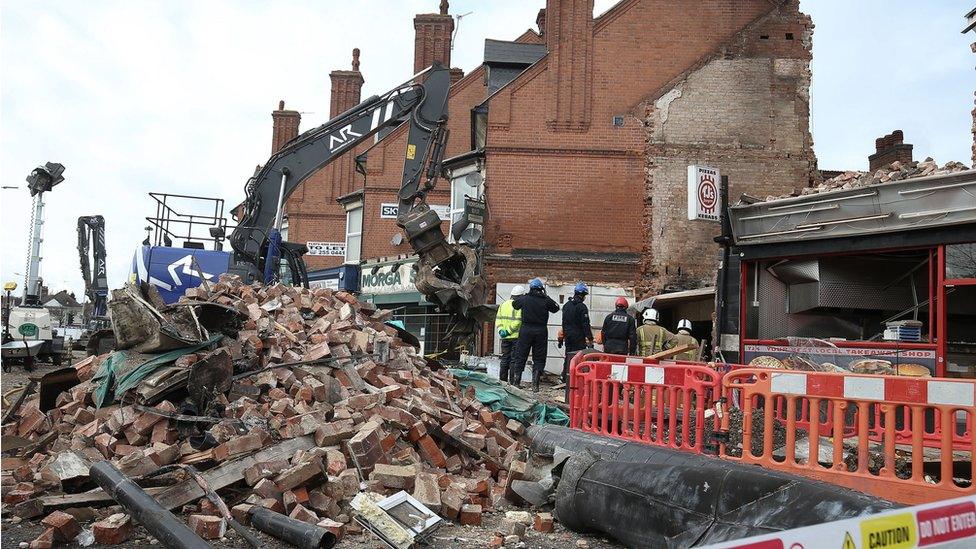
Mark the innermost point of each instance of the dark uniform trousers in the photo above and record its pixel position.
(615, 346)
(572, 347)
(535, 339)
(508, 345)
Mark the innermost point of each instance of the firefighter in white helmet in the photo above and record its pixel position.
(507, 324)
(684, 337)
(651, 338)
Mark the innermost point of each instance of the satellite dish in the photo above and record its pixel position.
(471, 236)
(474, 179)
(397, 239)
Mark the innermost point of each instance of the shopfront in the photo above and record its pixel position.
(389, 284)
(892, 279)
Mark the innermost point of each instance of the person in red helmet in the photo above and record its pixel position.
(620, 330)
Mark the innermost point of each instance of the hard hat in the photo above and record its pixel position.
(621, 302)
(581, 289)
(536, 283)
(518, 290)
(684, 324)
(651, 314)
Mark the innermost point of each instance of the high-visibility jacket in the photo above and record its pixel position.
(681, 339)
(509, 319)
(651, 339)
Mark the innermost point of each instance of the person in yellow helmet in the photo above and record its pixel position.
(652, 338)
(508, 320)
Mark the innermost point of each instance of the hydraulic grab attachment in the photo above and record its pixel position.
(448, 274)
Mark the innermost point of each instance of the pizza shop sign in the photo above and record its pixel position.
(704, 201)
(388, 279)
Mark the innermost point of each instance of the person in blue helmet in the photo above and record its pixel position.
(534, 333)
(577, 333)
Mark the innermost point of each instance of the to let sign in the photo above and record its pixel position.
(336, 249)
(704, 201)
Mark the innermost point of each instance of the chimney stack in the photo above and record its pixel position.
(540, 21)
(569, 39)
(433, 39)
(285, 127)
(888, 149)
(347, 87)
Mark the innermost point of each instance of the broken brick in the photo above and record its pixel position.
(114, 530)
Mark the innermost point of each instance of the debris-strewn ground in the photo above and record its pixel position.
(355, 410)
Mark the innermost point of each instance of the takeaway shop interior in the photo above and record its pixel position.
(850, 300)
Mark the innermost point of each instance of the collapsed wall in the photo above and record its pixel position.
(743, 109)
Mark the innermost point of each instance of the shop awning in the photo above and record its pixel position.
(674, 298)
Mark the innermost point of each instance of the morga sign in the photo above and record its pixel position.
(388, 280)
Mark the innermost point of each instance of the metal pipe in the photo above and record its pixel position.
(295, 532)
(162, 524)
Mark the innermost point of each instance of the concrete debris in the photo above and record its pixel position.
(896, 171)
(292, 405)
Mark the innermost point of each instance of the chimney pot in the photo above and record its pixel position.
(355, 59)
(540, 21)
(445, 5)
(281, 105)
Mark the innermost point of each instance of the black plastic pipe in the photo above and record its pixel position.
(298, 533)
(162, 524)
(646, 496)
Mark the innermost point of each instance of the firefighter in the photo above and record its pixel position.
(534, 333)
(620, 330)
(576, 333)
(684, 337)
(507, 322)
(651, 337)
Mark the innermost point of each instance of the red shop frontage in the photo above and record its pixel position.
(878, 279)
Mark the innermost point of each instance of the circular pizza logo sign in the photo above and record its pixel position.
(707, 194)
(27, 329)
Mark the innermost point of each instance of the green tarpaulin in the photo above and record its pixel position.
(514, 403)
(123, 370)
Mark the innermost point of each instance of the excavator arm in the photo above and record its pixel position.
(91, 240)
(448, 274)
(425, 106)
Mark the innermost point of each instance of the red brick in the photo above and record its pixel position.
(431, 453)
(65, 526)
(303, 514)
(543, 522)
(470, 515)
(114, 530)
(207, 526)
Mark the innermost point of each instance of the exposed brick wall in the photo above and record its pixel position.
(584, 190)
(744, 111)
(284, 126)
(888, 149)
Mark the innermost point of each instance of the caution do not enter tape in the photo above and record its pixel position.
(944, 524)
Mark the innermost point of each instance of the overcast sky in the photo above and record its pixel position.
(175, 96)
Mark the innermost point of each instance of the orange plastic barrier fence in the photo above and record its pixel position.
(868, 432)
(644, 400)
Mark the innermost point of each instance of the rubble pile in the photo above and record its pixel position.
(354, 409)
(896, 171)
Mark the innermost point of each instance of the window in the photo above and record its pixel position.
(960, 260)
(354, 234)
(466, 182)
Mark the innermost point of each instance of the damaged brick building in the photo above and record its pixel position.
(582, 131)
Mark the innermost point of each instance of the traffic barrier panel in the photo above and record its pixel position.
(644, 401)
(877, 450)
(960, 428)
